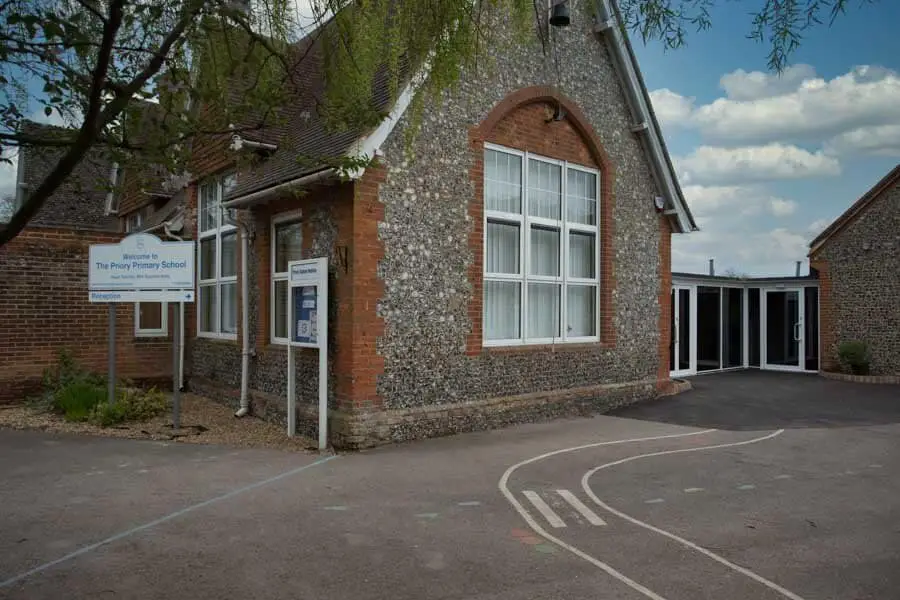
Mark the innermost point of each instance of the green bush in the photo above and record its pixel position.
(76, 400)
(854, 356)
(132, 404)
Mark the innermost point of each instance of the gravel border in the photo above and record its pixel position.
(203, 421)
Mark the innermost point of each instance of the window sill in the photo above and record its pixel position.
(151, 336)
(578, 346)
(219, 337)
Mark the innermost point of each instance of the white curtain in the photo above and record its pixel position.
(502, 182)
(229, 255)
(502, 310)
(582, 255)
(543, 310)
(544, 189)
(229, 307)
(502, 248)
(581, 313)
(581, 197)
(544, 251)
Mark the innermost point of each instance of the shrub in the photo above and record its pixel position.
(854, 355)
(76, 400)
(132, 404)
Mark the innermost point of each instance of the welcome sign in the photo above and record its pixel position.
(142, 262)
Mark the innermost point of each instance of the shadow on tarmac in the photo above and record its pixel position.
(756, 400)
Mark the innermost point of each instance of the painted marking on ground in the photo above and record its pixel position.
(585, 484)
(875, 466)
(692, 490)
(746, 486)
(161, 520)
(469, 503)
(578, 505)
(544, 508)
(503, 486)
(430, 516)
(654, 501)
(783, 476)
(338, 508)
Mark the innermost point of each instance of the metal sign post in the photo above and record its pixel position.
(308, 328)
(143, 268)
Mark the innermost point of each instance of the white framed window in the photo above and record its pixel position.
(151, 319)
(541, 249)
(287, 239)
(217, 249)
(134, 221)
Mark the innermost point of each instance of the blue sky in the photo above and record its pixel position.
(767, 161)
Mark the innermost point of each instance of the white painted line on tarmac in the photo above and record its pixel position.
(536, 527)
(161, 520)
(469, 503)
(692, 490)
(746, 486)
(578, 505)
(544, 509)
(782, 476)
(585, 483)
(654, 501)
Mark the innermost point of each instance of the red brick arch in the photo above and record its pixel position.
(488, 131)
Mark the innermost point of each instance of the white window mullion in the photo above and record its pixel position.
(564, 258)
(524, 253)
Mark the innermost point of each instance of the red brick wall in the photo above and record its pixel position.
(45, 309)
(828, 360)
(520, 122)
(665, 302)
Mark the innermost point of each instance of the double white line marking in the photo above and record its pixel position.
(554, 519)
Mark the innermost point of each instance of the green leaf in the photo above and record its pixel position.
(48, 111)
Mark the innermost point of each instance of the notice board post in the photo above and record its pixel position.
(308, 328)
(142, 268)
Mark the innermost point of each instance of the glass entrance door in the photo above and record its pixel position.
(682, 354)
(783, 331)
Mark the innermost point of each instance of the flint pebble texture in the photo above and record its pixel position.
(864, 266)
(426, 237)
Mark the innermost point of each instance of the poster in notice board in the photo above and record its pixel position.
(306, 314)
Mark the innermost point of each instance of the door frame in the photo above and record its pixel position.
(679, 332)
(800, 327)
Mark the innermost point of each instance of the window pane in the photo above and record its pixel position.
(150, 315)
(582, 310)
(581, 197)
(544, 251)
(288, 238)
(582, 255)
(229, 254)
(229, 307)
(208, 258)
(207, 307)
(502, 182)
(208, 203)
(502, 248)
(502, 310)
(544, 185)
(543, 310)
(280, 313)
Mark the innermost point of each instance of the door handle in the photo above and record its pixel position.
(797, 330)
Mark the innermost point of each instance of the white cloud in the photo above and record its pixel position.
(671, 108)
(713, 165)
(817, 109)
(782, 208)
(817, 227)
(879, 140)
(713, 203)
(741, 85)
